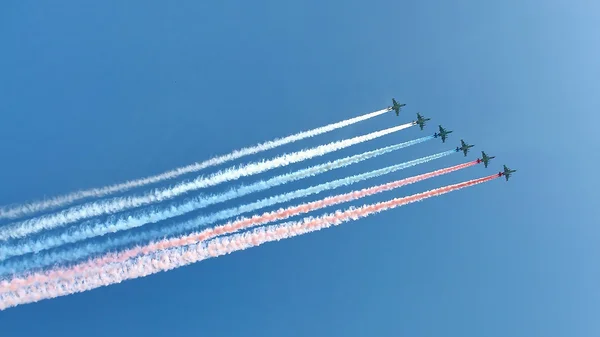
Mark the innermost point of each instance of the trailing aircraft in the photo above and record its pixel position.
(421, 120)
(443, 134)
(464, 147)
(485, 159)
(396, 107)
(507, 172)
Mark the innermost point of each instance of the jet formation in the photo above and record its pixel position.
(443, 134)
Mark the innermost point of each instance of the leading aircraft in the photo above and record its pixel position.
(443, 133)
(464, 147)
(421, 120)
(396, 107)
(485, 159)
(507, 172)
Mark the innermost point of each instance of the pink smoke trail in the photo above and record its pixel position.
(91, 266)
(173, 258)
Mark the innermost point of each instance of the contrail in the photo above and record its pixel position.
(177, 257)
(129, 222)
(21, 229)
(35, 207)
(257, 220)
(267, 217)
(79, 252)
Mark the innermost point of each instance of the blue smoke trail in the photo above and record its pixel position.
(96, 228)
(80, 252)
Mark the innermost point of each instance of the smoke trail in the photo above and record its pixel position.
(21, 229)
(267, 217)
(79, 252)
(155, 216)
(173, 258)
(258, 220)
(35, 207)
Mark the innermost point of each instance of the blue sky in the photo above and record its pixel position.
(98, 93)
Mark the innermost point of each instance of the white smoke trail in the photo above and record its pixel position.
(35, 207)
(24, 228)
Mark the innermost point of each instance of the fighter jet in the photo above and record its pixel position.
(507, 172)
(443, 134)
(421, 120)
(485, 159)
(396, 107)
(464, 147)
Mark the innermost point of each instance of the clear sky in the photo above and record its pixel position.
(97, 93)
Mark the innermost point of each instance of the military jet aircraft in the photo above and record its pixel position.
(396, 107)
(464, 147)
(485, 159)
(421, 120)
(507, 172)
(443, 134)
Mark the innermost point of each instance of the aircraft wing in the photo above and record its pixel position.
(505, 176)
(462, 142)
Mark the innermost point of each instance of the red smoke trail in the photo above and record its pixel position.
(173, 258)
(242, 224)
